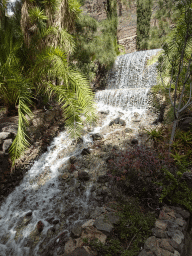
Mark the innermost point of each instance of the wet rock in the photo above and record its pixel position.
(73, 159)
(40, 226)
(28, 214)
(85, 151)
(69, 246)
(6, 145)
(50, 220)
(134, 141)
(76, 231)
(104, 112)
(97, 136)
(117, 121)
(84, 176)
(55, 222)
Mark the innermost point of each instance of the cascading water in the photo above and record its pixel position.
(41, 196)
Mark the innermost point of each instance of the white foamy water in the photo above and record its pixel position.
(41, 192)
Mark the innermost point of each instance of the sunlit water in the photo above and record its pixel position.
(41, 191)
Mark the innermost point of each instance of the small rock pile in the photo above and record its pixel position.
(169, 233)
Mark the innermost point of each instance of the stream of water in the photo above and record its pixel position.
(41, 196)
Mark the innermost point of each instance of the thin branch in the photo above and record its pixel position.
(133, 239)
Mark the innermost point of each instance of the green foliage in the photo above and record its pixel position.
(96, 46)
(165, 16)
(143, 23)
(176, 191)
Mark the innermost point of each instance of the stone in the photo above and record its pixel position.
(4, 136)
(85, 151)
(178, 236)
(104, 112)
(175, 245)
(102, 225)
(84, 176)
(186, 124)
(72, 159)
(165, 216)
(12, 129)
(151, 244)
(28, 214)
(40, 226)
(88, 223)
(6, 145)
(76, 231)
(164, 244)
(55, 222)
(70, 246)
(128, 130)
(91, 233)
(97, 136)
(50, 220)
(145, 253)
(185, 214)
(159, 233)
(117, 121)
(97, 212)
(134, 141)
(176, 253)
(160, 224)
(180, 222)
(112, 217)
(79, 252)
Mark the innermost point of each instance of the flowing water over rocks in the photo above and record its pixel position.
(63, 188)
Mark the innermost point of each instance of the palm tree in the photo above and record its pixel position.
(39, 59)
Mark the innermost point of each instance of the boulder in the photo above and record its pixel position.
(117, 121)
(103, 225)
(84, 176)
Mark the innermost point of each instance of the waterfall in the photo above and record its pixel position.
(41, 196)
